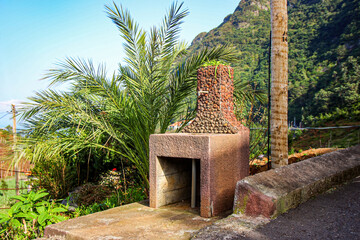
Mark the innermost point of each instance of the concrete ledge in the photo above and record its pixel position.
(132, 221)
(278, 190)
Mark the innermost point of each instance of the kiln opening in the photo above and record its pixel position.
(180, 180)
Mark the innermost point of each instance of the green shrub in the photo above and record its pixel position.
(133, 194)
(4, 193)
(118, 198)
(115, 188)
(29, 216)
(292, 137)
(53, 175)
(126, 187)
(96, 207)
(338, 114)
(291, 151)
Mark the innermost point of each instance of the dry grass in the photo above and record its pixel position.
(261, 165)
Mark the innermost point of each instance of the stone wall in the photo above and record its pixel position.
(215, 105)
(276, 191)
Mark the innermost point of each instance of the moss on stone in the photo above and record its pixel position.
(242, 207)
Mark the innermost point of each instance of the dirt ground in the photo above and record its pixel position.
(261, 165)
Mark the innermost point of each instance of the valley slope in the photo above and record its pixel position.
(324, 52)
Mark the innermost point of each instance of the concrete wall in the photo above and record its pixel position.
(276, 191)
(174, 179)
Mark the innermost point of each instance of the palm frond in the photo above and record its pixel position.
(118, 113)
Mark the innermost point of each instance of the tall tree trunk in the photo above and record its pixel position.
(279, 83)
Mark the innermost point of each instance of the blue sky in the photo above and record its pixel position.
(36, 34)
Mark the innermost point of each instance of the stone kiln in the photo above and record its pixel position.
(209, 157)
(215, 105)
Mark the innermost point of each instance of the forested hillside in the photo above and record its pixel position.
(324, 52)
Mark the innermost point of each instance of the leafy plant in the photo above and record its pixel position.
(53, 175)
(28, 217)
(213, 63)
(117, 115)
(133, 194)
(291, 151)
(118, 198)
(251, 110)
(4, 185)
(93, 208)
(292, 137)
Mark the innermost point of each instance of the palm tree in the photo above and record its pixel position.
(119, 113)
(279, 83)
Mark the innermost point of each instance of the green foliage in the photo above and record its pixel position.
(28, 217)
(113, 190)
(291, 151)
(125, 191)
(292, 137)
(4, 185)
(324, 52)
(115, 116)
(95, 207)
(213, 63)
(5, 196)
(338, 114)
(118, 198)
(53, 175)
(258, 140)
(133, 194)
(251, 110)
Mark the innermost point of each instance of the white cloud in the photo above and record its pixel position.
(6, 105)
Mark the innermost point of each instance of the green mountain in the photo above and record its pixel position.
(324, 52)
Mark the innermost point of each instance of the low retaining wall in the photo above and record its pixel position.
(278, 190)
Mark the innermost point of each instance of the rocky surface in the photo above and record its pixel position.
(132, 221)
(276, 191)
(333, 215)
(215, 105)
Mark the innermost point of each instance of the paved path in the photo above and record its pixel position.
(333, 215)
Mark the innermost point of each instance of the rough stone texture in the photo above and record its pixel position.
(215, 105)
(54, 237)
(233, 227)
(276, 191)
(224, 159)
(333, 215)
(132, 221)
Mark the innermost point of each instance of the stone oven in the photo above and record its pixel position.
(205, 161)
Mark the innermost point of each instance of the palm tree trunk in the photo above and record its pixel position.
(279, 83)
